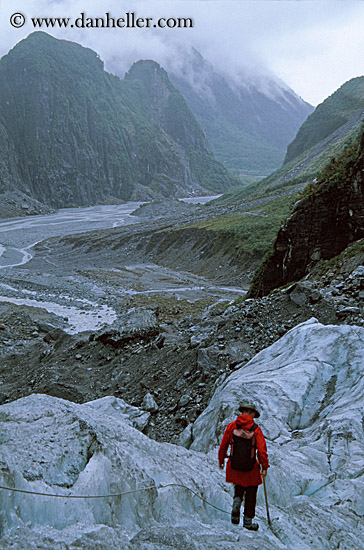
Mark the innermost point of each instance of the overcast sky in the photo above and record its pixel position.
(312, 45)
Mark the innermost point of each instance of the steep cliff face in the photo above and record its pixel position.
(165, 105)
(329, 217)
(70, 133)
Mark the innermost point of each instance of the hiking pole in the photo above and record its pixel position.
(266, 502)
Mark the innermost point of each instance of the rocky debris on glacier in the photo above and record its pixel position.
(309, 386)
(151, 351)
(345, 291)
(342, 291)
(135, 324)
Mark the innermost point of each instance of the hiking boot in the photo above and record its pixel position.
(248, 524)
(235, 512)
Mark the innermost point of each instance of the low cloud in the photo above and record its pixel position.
(313, 46)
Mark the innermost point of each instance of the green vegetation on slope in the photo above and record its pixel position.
(338, 172)
(252, 232)
(331, 128)
(328, 117)
(327, 218)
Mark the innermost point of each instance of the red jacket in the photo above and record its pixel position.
(253, 477)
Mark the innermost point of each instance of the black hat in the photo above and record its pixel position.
(245, 405)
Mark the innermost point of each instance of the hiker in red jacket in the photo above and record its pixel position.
(245, 482)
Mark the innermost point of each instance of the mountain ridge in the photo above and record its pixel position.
(247, 128)
(328, 117)
(73, 134)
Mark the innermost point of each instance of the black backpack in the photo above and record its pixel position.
(243, 452)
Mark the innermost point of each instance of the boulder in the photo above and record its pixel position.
(303, 293)
(149, 403)
(185, 399)
(351, 310)
(358, 273)
(137, 323)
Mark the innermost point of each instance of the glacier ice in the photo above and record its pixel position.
(310, 389)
